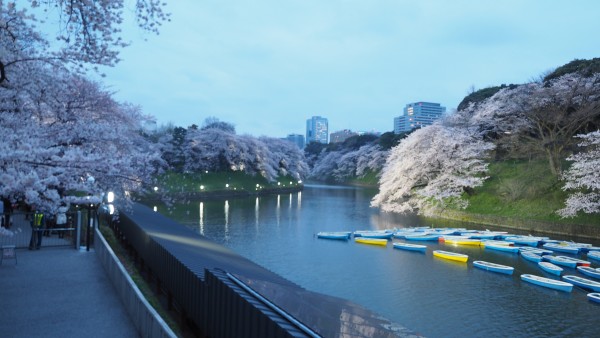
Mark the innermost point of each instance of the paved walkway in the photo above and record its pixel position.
(59, 292)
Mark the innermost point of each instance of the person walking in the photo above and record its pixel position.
(61, 219)
(38, 223)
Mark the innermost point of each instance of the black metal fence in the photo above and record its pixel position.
(74, 233)
(183, 266)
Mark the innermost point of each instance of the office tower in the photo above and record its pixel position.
(317, 130)
(418, 115)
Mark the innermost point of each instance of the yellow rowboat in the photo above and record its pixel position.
(374, 241)
(460, 241)
(451, 255)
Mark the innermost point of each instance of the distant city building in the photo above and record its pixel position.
(317, 130)
(296, 139)
(341, 136)
(418, 115)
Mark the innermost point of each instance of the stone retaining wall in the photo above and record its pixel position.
(531, 226)
(145, 318)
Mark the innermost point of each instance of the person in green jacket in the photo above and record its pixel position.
(38, 223)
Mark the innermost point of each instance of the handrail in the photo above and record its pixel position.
(274, 307)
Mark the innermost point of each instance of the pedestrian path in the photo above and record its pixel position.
(59, 292)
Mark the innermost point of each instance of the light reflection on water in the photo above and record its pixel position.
(432, 296)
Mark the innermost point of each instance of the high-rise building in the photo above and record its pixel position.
(341, 136)
(297, 139)
(418, 115)
(317, 130)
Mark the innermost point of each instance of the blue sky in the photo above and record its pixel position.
(267, 66)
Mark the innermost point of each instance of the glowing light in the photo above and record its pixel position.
(110, 197)
(201, 187)
(227, 185)
(155, 188)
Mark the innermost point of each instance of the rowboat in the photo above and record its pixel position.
(536, 251)
(505, 248)
(594, 255)
(587, 249)
(411, 247)
(524, 240)
(373, 241)
(594, 297)
(459, 240)
(498, 242)
(421, 237)
(377, 234)
(550, 268)
(547, 282)
(565, 261)
(530, 256)
(584, 283)
(562, 248)
(360, 233)
(343, 235)
(508, 270)
(586, 270)
(451, 255)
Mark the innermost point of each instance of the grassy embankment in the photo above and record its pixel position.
(524, 190)
(216, 182)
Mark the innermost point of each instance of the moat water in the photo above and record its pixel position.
(433, 297)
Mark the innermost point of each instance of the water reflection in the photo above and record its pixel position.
(278, 209)
(299, 199)
(201, 218)
(256, 209)
(226, 220)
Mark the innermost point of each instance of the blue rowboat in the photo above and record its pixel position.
(584, 283)
(493, 267)
(594, 255)
(586, 270)
(562, 248)
(505, 248)
(536, 251)
(360, 233)
(550, 268)
(547, 282)
(530, 256)
(566, 261)
(377, 234)
(594, 297)
(421, 237)
(410, 247)
(343, 235)
(524, 240)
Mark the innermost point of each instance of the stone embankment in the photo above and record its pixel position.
(584, 231)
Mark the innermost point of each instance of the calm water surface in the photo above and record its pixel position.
(436, 298)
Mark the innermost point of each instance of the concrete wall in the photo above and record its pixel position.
(143, 315)
(531, 226)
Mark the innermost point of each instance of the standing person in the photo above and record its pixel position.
(61, 218)
(2, 213)
(38, 223)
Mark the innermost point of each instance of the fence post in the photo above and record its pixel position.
(78, 232)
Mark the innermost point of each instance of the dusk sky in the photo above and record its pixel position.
(267, 66)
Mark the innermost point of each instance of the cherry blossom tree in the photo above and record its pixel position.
(71, 136)
(433, 165)
(88, 32)
(583, 177)
(344, 163)
(220, 149)
(539, 118)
